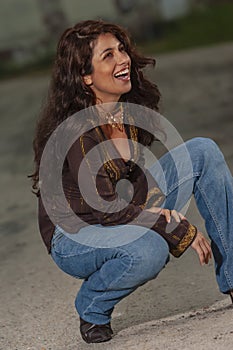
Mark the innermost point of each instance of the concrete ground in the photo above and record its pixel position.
(172, 312)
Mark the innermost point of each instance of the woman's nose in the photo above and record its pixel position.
(122, 57)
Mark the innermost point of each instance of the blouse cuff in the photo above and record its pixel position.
(185, 242)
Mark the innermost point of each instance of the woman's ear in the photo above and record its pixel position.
(87, 80)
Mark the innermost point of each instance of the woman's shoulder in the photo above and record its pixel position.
(88, 139)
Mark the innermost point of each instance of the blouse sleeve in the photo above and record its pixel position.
(178, 236)
(110, 209)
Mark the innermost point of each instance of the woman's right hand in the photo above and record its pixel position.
(167, 213)
(202, 248)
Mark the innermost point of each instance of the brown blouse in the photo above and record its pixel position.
(145, 193)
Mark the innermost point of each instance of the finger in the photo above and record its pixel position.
(182, 217)
(208, 254)
(196, 245)
(204, 250)
(157, 210)
(201, 255)
(206, 242)
(175, 215)
(208, 247)
(208, 257)
(167, 215)
(205, 245)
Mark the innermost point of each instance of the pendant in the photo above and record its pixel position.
(118, 126)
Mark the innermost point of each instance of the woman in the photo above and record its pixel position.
(97, 70)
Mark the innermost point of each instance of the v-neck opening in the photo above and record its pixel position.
(126, 127)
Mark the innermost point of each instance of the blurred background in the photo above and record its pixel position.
(192, 41)
(29, 29)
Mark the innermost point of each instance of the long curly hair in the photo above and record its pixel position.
(68, 92)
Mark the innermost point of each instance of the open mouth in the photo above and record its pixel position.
(124, 74)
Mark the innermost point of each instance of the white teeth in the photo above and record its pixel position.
(125, 71)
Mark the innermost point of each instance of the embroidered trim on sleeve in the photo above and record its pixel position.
(185, 242)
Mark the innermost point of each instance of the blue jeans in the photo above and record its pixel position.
(112, 273)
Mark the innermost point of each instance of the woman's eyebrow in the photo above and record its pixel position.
(109, 49)
(106, 50)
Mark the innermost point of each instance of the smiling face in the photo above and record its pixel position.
(110, 77)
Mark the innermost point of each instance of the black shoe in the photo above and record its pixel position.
(231, 295)
(94, 333)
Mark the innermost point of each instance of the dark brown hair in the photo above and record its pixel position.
(69, 94)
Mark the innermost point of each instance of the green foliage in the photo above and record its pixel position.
(37, 66)
(204, 26)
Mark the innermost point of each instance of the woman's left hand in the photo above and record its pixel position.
(202, 248)
(169, 214)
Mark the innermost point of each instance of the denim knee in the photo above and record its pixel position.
(205, 146)
(149, 258)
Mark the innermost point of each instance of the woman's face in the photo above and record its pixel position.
(111, 69)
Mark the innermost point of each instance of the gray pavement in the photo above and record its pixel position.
(175, 310)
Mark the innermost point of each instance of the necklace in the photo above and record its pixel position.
(115, 118)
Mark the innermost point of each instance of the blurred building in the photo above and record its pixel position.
(27, 27)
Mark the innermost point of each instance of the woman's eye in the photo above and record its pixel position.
(109, 54)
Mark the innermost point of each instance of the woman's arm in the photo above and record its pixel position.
(109, 209)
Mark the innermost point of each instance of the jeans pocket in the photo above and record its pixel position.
(80, 266)
(71, 257)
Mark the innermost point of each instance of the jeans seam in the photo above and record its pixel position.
(213, 217)
(218, 228)
(228, 279)
(117, 280)
(188, 177)
(183, 180)
(56, 239)
(71, 255)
